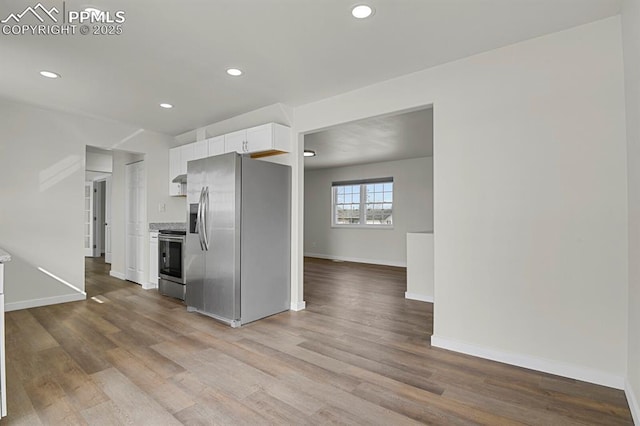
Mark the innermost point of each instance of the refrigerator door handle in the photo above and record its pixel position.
(205, 213)
(199, 219)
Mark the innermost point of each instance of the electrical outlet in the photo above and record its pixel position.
(162, 207)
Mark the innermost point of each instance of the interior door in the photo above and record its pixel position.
(88, 219)
(107, 220)
(98, 212)
(135, 222)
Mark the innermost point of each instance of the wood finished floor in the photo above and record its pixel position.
(359, 354)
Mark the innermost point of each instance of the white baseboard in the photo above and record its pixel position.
(298, 306)
(420, 297)
(539, 364)
(149, 286)
(632, 399)
(34, 303)
(118, 275)
(358, 260)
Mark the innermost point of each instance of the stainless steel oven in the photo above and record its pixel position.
(172, 278)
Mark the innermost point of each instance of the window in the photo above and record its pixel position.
(366, 203)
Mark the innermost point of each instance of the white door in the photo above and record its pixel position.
(98, 220)
(135, 222)
(88, 219)
(107, 220)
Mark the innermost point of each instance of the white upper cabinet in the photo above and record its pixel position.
(259, 141)
(267, 139)
(187, 153)
(201, 149)
(216, 146)
(235, 141)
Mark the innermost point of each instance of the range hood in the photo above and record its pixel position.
(180, 179)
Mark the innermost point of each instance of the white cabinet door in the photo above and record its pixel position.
(174, 170)
(264, 140)
(236, 141)
(260, 138)
(216, 145)
(201, 149)
(187, 153)
(153, 259)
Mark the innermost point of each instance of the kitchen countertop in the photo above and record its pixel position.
(178, 226)
(4, 256)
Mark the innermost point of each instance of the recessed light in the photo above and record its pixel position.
(309, 153)
(235, 72)
(167, 106)
(93, 10)
(49, 74)
(362, 11)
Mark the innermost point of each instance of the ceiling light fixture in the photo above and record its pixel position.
(234, 72)
(93, 10)
(166, 106)
(362, 11)
(49, 74)
(309, 153)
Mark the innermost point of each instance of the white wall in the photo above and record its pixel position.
(412, 212)
(42, 167)
(631, 44)
(420, 261)
(99, 162)
(530, 212)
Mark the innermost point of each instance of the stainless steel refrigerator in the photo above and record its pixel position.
(238, 243)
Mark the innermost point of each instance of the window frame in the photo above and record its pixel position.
(362, 183)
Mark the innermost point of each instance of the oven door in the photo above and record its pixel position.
(171, 258)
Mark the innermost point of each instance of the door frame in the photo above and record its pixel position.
(107, 220)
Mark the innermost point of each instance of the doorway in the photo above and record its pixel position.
(367, 186)
(97, 205)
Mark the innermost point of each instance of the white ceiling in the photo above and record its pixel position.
(293, 51)
(408, 135)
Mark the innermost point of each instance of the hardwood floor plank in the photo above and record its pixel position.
(165, 393)
(106, 414)
(22, 410)
(131, 400)
(50, 402)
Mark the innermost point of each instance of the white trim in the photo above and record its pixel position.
(571, 371)
(420, 297)
(149, 285)
(118, 275)
(34, 303)
(632, 399)
(298, 306)
(358, 260)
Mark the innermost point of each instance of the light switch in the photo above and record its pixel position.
(162, 207)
